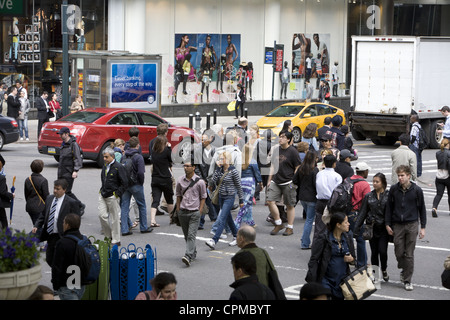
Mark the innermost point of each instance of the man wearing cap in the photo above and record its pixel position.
(360, 188)
(70, 162)
(343, 166)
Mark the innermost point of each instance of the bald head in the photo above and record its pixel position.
(246, 234)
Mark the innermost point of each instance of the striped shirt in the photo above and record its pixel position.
(230, 183)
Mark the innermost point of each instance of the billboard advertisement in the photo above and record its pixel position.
(134, 84)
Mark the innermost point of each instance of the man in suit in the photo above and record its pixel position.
(13, 103)
(50, 222)
(42, 106)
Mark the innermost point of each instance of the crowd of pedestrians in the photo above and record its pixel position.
(228, 170)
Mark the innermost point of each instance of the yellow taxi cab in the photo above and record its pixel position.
(301, 114)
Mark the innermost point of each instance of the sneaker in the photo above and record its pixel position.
(27, 139)
(408, 286)
(385, 276)
(434, 213)
(186, 261)
(233, 243)
(21, 139)
(210, 243)
(288, 232)
(222, 236)
(277, 229)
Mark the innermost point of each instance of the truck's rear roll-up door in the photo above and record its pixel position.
(384, 77)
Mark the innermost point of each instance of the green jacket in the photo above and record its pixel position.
(263, 262)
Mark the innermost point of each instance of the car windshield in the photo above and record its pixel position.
(86, 117)
(285, 111)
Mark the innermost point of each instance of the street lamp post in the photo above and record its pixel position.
(65, 65)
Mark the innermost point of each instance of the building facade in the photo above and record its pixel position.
(226, 42)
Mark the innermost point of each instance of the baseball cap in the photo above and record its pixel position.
(345, 154)
(326, 137)
(312, 290)
(362, 166)
(64, 130)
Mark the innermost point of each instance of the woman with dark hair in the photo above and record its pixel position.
(36, 190)
(331, 254)
(54, 106)
(309, 136)
(372, 211)
(305, 179)
(181, 53)
(249, 82)
(161, 176)
(442, 180)
(164, 287)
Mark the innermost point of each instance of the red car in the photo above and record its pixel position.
(96, 128)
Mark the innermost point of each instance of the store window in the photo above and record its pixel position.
(31, 45)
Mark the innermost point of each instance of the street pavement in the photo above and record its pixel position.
(209, 276)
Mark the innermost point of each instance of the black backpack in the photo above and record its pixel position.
(341, 197)
(129, 169)
(423, 139)
(87, 258)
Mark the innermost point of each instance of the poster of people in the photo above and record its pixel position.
(217, 54)
(310, 55)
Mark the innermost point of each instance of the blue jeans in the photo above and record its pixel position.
(23, 127)
(225, 217)
(361, 254)
(419, 158)
(310, 208)
(65, 293)
(137, 191)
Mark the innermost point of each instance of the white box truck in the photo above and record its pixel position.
(393, 77)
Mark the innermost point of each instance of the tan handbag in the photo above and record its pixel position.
(357, 285)
(215, 195)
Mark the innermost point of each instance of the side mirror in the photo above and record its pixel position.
(306, 115)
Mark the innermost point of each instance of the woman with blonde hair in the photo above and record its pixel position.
(77, 105)
(119, 148)
(442, 180)
(250, 175)
(227, 179)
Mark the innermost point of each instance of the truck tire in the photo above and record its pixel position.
(384, 141)
(435, 137)
(358, 135)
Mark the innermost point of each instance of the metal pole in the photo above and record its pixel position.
(273, 68)
(191, 120)
(198, 121)
(65, 48)
(214, 116)
(208, 120)
(246, 113)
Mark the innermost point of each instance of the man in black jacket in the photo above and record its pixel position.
(246, 285)
(65, 253)
(42, 107)
(13, 103)
(114, 184)
(404, 210)
(343, 166)
(70, 162)
(57, 206)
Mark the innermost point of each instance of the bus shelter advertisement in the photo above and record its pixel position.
(135, 85)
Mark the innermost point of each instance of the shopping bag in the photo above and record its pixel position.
(232, 105)
(357, 285)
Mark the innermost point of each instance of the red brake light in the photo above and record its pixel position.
(14, 123)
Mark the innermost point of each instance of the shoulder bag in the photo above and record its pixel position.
(174, 214)
(215, 195)
(40, 198)
(357, 285)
